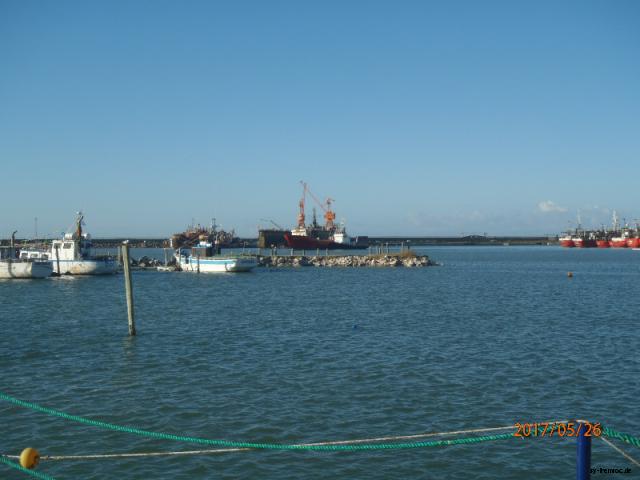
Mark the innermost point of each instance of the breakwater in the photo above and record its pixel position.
(405, 259)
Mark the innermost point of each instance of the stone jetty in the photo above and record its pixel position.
(405, 259)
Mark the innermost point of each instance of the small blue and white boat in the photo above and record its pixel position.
(203, 259)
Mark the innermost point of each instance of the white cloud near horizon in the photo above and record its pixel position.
(548, 206)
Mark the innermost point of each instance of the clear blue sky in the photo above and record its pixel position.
(418, 118)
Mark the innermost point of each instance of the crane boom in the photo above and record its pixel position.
(329, 215)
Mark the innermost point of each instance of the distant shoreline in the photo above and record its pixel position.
(471, 240)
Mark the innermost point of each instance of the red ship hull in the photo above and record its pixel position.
(633, 242)
(588, 243)
(603, 243)
(567, 243)
(618, 243)
(301, 242)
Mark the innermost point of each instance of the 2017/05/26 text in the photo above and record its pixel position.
(558, 429)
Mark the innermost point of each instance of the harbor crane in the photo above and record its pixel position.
(329, 215)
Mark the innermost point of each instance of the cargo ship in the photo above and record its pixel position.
(324, 237)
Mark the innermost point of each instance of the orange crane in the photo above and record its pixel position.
(329, 215)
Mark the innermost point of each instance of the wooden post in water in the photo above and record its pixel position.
(58, 258)
(198, 260)
(128, 287)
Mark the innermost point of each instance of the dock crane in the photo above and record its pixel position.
(329, 215)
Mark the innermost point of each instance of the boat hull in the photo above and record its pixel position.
(85, 267)
(217, 264)
(602, 243)
(301, 242)
(567, 243)
(618, 242)
(633, 242)
(25, 270)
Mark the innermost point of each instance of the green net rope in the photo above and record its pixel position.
(19, 467)
(232, 444)
(631, 440)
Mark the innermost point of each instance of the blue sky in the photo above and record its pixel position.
(418, 118)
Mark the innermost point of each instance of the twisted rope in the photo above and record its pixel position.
(264, 446)
(17, 466)
(631, 440)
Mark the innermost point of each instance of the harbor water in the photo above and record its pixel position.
(495, 335)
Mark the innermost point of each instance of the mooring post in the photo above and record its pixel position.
(198, 260)
(128, 287)
(57, 247)
(584, 452)
(291, 254)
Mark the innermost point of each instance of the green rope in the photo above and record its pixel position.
(611, 433)
(33, 473)
(271, 446)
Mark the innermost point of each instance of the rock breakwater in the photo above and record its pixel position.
(389, 260)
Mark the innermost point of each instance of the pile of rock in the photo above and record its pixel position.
(389, 260)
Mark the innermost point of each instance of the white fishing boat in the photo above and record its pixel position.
(12, 267)
(73, 255)
(204, 258)
(16, 268)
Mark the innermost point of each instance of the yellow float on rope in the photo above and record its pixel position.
(29, 458)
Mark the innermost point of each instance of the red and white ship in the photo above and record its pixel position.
(566, 241)
(617, 237)
(314, 236)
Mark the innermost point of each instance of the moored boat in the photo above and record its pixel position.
(205, 258)
(618, 242)
(566, 241)
(13, 268)
(633, 242)
(16, 268)
(72, 255)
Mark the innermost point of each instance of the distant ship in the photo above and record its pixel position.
(324, 237)
(194, 234)
(616, 237)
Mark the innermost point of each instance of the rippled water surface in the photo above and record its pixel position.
(494, 336)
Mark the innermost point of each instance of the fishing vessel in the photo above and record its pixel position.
(314, 236)
(12, 267)
(616, 237)
(73, 254)
(213, 234)
(206, 258)
(566, 241)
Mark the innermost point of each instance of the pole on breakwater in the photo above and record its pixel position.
(583, 463)
(128, 286)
